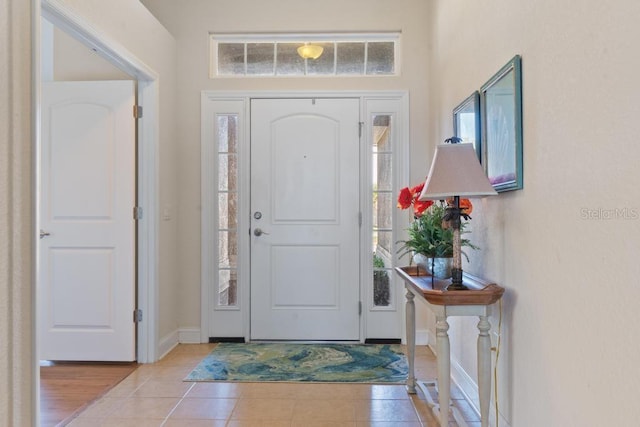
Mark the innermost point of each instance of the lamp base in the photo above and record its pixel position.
(456, 287)
(456, 281)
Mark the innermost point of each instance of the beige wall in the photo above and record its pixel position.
(570, 343)
(125, 22)
(192, 22)
(73, 61)
(130, 24)
(17, 360)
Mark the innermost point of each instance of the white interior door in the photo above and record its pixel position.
(86, 277)
(305, 200)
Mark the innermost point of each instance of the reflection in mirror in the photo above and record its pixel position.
(501, 109)
(500, 126)
(466, 122)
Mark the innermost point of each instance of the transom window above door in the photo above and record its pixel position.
(296, 55)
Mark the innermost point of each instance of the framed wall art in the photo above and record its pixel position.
(501, 113)
(466, 122)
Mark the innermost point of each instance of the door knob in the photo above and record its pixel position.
(258, 232)
(44, 234)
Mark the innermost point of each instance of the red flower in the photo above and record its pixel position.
(419, 207)
(415, 191)
(409, 197)
(405, 198)
(466, 207)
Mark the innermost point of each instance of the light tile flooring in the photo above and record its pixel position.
(156, 395)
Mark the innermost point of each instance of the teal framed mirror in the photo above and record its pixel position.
(501, 121)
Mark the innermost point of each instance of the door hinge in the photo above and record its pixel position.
(137, 315)
(137, 111)
(360, 126)
(359, 308)
(137, 213)
(359, 219)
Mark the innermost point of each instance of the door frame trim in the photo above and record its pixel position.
(147, 177)
(210, 96)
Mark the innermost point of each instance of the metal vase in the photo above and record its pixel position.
(440, 268)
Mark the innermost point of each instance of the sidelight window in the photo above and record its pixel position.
(227, 228)
(382, 203)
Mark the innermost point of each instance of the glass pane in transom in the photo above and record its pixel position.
(380, 57)
(325, 64)
(288, 61)
(260, 58)
(230, 58)
(350, 58)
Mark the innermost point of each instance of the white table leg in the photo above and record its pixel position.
(484, 369)
(411, 341)
(444, 368)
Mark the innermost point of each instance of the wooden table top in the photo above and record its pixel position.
(480, 292)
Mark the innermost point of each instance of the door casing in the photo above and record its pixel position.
(238, 102)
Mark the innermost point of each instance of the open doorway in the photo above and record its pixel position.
(87, 181)
(146, 161)
(128, 67)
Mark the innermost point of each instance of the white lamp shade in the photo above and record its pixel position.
(456, 171)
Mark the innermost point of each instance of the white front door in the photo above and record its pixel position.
(86, 277)
(305, 200)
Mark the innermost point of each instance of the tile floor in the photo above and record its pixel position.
(156, 395)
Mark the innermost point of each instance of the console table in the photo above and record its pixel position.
(476, 301)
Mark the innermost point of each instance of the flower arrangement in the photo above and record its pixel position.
(430, 234)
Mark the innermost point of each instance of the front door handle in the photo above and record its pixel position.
(44, 234)
(258, 232)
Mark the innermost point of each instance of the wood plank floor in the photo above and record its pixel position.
(68, 387)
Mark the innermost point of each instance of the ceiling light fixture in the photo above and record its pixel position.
(310, 51)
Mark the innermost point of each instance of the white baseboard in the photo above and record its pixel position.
(431, 342)
(167, 343)
(492, 419)
(469, 389)
(189, 335)
(422, 337)
(466, 384)
(179, 336)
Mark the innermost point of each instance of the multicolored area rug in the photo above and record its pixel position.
(348, 363)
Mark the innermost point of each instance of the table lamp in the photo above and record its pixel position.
(455, 172)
